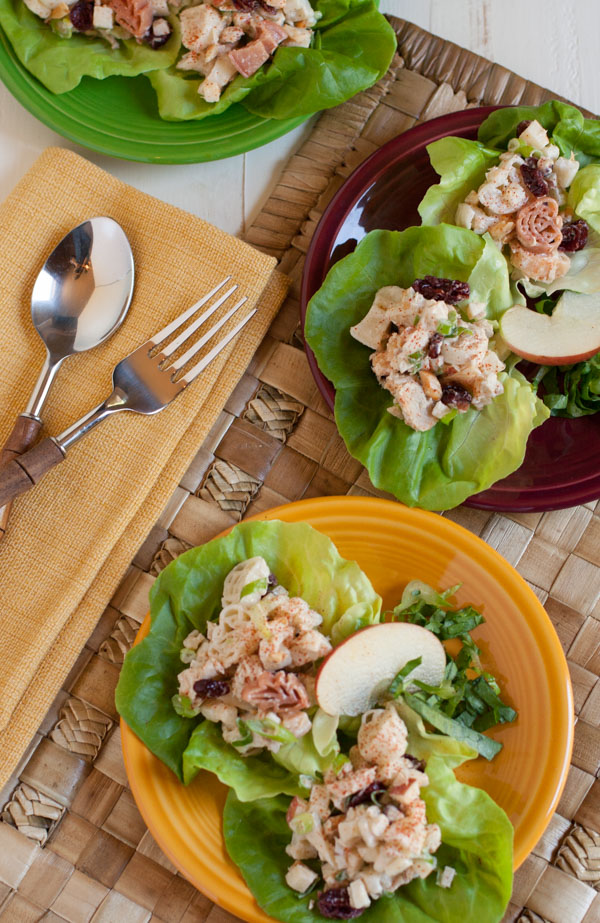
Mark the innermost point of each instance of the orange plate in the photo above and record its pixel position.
(394, 544)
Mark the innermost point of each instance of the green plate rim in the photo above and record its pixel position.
(46, 107)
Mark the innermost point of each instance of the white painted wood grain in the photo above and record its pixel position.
(554, 44)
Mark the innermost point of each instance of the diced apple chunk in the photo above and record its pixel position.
(300, 877)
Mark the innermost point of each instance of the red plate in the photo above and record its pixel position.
(562, 463)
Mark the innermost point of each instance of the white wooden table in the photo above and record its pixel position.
(554, 44)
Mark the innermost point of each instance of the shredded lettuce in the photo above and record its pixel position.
(573, 390)
(440, 468)
(184, 597)
(468, 700)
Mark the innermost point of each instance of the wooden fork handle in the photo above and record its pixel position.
(24, 471)
(24, 433)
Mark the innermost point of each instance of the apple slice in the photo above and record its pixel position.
(360, 669)
(570, 334)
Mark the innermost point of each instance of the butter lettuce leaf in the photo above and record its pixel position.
(440, 468)
(353, 46)
(60, 63)
(251, 777)
(185, 596)
(476, 840)
(565, 124)
(461, 165)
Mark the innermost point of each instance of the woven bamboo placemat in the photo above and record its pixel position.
(73, 845)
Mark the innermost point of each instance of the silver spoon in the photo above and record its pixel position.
(80, 297)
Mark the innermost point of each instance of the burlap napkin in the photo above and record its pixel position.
(70, 539)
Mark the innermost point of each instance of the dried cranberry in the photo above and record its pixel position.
(81, 15)
(365, 794)
(435, 345)
(574, 236)
(246, 6)
(522, 126)
(272, 581)
(211, 688)
(418, 764)
(270, 10)
(335, 904)
(156, 41)
(449, 290)
(456, 396)
(533, 179)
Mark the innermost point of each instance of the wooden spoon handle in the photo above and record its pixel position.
(24, 433)
(24, 471)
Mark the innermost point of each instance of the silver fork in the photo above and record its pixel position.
(145, 381)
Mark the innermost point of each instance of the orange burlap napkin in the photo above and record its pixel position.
(70, 539)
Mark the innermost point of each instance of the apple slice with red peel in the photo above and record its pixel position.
(360, 669)
(570, 334)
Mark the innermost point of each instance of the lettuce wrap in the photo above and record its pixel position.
(352, 48)
(185, 596)
(462, 164)
(440, 468)
(476, 840)
(60, 63)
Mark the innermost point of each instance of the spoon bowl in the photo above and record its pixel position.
(80, 297)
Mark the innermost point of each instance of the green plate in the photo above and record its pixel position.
(119, 116)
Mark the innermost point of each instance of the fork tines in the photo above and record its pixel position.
(187, 332)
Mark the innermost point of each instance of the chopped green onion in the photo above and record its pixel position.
(246, 735)
(416, 320)
(183, 706)
(303, 823)
(417, 355)
(257, 586)
(339, 762)
(464, 331)
(446, 328)
(270, 730)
